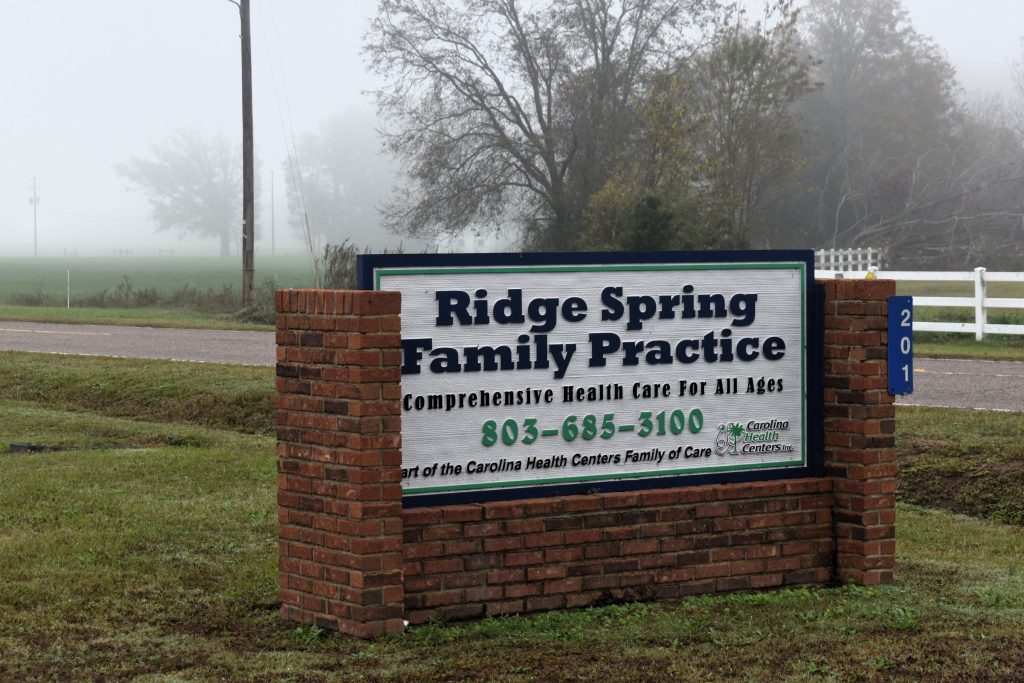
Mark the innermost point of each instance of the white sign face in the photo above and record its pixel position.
(516, 376)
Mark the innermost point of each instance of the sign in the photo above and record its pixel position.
(556, 373)
(901, 345)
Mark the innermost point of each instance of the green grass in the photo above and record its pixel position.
(145, 317)
(159, 563)
(155, 292)
(963, 460)
(148, 552)
(950, 345)
(48, 276)
(1011, 290)
(219, 396)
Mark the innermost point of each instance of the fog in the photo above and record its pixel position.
(86, 86)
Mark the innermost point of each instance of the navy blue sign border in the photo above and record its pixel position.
(813, 367)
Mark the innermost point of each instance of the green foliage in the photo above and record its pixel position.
(745, 86)
(650, 226)
(338, 266)
(893, 157)
(308, 636)
(262, 311)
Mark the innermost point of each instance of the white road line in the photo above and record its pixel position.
(987, 410)
(72, 334)
(921, 371)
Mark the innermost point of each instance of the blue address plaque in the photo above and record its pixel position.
(901, 345)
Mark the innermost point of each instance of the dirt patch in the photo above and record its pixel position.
(967, 482)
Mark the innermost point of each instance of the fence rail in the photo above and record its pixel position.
(979, 302)
(859, 259)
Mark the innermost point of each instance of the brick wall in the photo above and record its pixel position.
(497, 558)
(352, 560)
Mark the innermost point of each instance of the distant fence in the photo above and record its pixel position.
(859, 259)
(979, 302)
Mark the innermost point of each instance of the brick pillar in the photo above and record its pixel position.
(860, 428)
(339, 460)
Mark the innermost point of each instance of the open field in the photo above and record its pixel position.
(47, 277)
(155, 291)
(148, 551)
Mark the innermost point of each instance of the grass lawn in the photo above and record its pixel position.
(231, 397)
(147, 551)
(943, 345)
(963, 460)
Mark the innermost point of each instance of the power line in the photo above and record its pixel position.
(289, 141)
(34, 201)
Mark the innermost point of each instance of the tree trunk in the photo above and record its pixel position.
(225, 244)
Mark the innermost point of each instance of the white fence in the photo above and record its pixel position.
(979, 302)
(861, 258)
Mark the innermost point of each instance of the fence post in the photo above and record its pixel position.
(980, 317)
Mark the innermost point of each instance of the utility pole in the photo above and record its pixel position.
(272, 252)
(248, 174)
(34, 201)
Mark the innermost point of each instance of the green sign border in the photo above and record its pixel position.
(799, 266)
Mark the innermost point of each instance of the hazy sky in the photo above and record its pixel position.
(86, 84)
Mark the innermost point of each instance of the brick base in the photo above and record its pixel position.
(469, 561)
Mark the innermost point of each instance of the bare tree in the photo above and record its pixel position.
(193, 185)
(886, 109)
(745, 86)
(507, 114)
(896, 159)
(339, 180)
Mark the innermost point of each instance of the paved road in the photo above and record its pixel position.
(989, 385)
(207, 346)
(982, 384)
